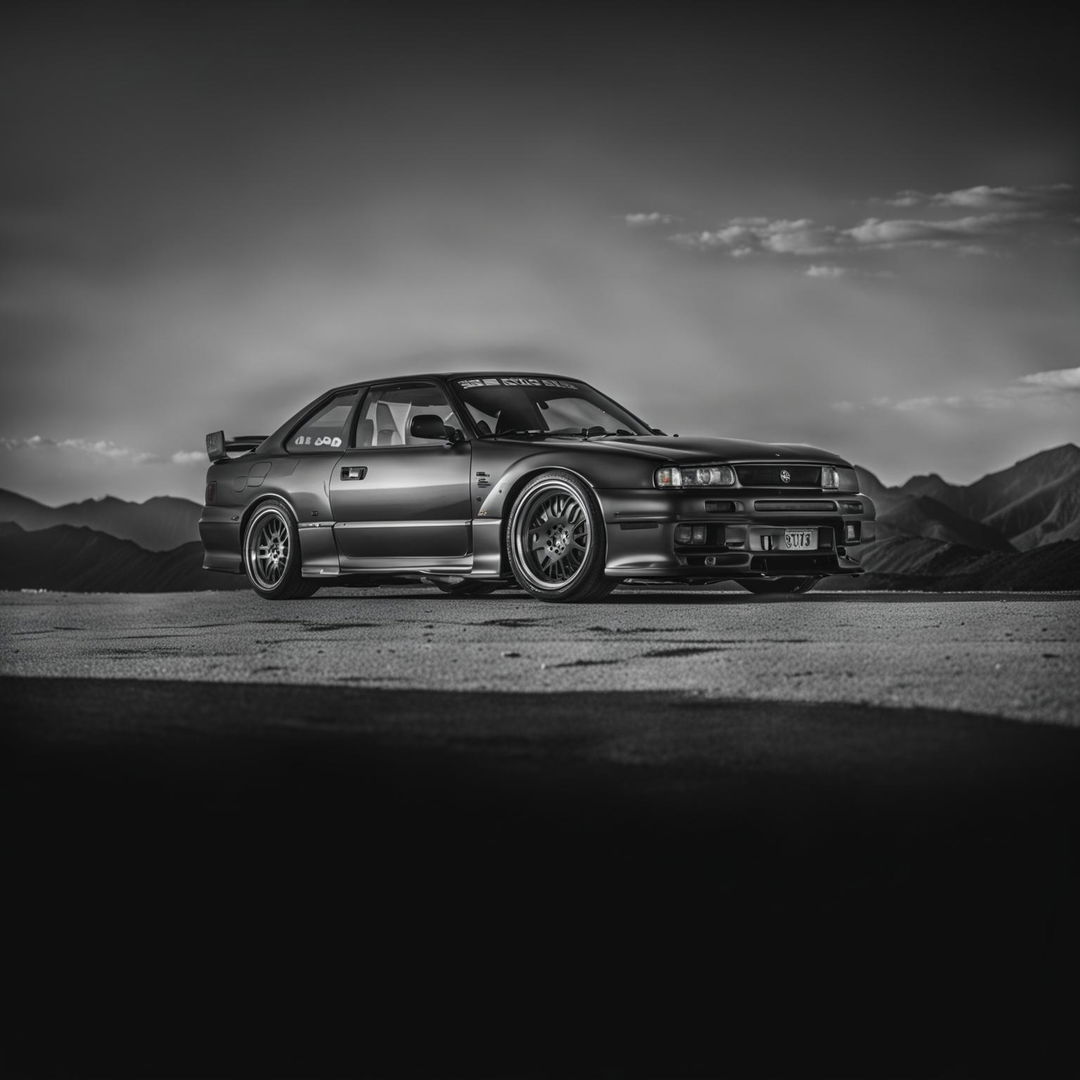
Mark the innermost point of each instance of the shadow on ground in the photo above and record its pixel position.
(298, 880)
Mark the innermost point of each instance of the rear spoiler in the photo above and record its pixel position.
(218, 447)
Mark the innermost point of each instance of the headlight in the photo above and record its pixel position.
(830, 478)
(695, 476)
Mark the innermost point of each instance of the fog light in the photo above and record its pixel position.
(691, 534)
(851, 532)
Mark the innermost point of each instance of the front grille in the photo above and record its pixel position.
(804, 506)
(768, 475)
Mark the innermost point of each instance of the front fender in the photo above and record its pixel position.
(597, 470)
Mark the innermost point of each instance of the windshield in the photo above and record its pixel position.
(535, 405)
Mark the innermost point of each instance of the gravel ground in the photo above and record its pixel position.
(1008, 655)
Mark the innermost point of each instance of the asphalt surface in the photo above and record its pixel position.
(648, 837)
(1015, 655)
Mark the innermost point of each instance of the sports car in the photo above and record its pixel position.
(476, 481)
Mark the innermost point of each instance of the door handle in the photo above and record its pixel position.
(353, 472)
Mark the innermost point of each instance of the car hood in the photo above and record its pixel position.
(702, 449)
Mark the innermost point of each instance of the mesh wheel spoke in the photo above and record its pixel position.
(269, 550)
(552, 537)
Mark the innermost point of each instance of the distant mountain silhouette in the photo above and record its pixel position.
(921, 515)
(78, 559)
(1034, 502)
(1049, 514)
(992, 494)
(159, 524)
(915, 562)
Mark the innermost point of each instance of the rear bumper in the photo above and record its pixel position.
(744, 532)
(219, 529)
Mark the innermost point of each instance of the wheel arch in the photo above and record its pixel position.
(249, 512)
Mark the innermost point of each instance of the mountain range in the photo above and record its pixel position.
(1032, 503)
(1014, 529)
(159, 524)
(68, 558)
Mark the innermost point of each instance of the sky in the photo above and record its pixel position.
(849, 225)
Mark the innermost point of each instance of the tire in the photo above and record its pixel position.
(457, 586)
(779, 585)
(272, 554)
(555, 540)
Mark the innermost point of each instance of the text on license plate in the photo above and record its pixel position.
(800, 539)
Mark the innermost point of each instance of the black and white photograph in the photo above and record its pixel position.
(539, 540)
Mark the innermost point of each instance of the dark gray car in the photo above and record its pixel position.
(478, 480)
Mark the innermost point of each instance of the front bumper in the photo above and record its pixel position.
(744, 533)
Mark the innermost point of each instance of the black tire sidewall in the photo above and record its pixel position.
(589, 582)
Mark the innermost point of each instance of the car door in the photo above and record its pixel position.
(400, 499)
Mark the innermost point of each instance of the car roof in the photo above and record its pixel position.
(447, 376)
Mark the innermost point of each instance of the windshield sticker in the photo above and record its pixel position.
(518, 380)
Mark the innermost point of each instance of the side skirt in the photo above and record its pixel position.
(320, 557)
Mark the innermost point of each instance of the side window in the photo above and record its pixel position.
(325, 429)
(388, 413)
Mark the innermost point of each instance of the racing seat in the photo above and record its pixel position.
(384, 422)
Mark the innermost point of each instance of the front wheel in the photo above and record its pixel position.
(760, 587)
(272, 554)
(555, 540)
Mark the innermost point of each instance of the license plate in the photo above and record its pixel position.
(800, 539)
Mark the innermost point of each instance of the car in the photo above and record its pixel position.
(476, 481)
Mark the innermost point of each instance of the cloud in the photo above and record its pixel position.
(188, 457)
(800, 237)
(825, 271)
(101, 451)
(982, 197)
(1040, 387)
(1065, 379)
(743, 236)
(957, 233)
(650, 220)
(996, 218)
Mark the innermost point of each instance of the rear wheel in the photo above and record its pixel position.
(555, 540)
(272, 554)
(761, 587)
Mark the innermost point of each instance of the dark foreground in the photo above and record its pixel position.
(215, 879)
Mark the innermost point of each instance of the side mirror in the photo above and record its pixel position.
(429, 426)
